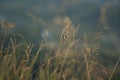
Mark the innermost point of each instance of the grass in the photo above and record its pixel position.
(22, 60)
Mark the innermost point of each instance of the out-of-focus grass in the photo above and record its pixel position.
(21, 60)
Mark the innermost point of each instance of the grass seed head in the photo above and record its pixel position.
(7, 25)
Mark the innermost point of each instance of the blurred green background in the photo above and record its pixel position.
(32, 18)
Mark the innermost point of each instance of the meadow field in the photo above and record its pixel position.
(59, 40)
(70, 60)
